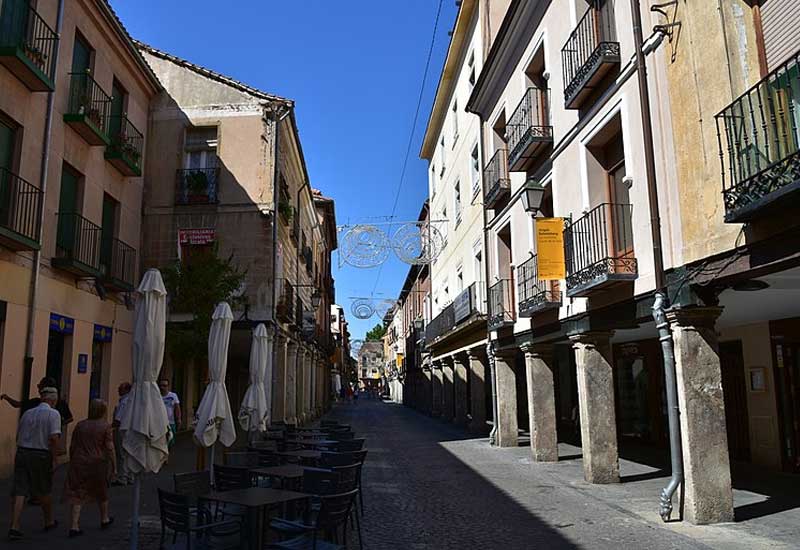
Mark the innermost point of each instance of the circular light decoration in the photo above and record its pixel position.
(362, 308)
(382, 307)
(355, 346)
(364, 246)
(417, 243)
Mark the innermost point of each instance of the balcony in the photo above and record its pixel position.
(27, 45)
(759, 146)
(528, 130)
(501, 305)
(591, 52)
(599, 249)
(495, 177)
(196, 186)
(20, 207)
(535, 296)
(77, 245)
(118, 264)
(285, 306)
(88, 109)
(125, 149)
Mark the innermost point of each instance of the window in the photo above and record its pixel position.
(460, 278)
(471, 65)
(82, 55)
(441, 155)
(475, 170)
(457, 198)
(433, 180)
(445, 224)
(454, 113)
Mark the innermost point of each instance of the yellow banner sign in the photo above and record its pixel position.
(550, 249)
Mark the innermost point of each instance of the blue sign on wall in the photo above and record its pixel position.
(83, 362)
(59, 323)
(102, 333)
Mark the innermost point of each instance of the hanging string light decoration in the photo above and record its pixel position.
(364, 246)
(355, 346)
(369, 245)
(417, 243)
(362, 308)
(382, 307)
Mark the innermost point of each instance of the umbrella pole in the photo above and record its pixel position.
(137, 489)
(211, 463)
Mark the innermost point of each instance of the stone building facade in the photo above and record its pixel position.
(74, 101)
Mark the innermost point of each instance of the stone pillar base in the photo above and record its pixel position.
(506, 421)
(541, 404)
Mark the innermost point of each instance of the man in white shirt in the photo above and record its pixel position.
(38, 437)
(124, 475)
(173, 406)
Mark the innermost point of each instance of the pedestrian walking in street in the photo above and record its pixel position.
(27, 404)
(124, 475)
(38, 436)
(173, 406)
(92, 464)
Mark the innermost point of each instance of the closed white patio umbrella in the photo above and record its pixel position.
(144, 420)
(214, 417)
(254, 411)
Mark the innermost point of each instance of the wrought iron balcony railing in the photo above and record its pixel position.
(77, 245)
(285, 309)
(196, 186)
(495, 177)
(441, 324)
(599, 249)
(501, 304)
(118, 264)
(535, 295)
(27, 45)
(88, 109)
(125, 150)
(529, 129)
(20, 207)
(590, 53)
(759, 145)
(467, 307)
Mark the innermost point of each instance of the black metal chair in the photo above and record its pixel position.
(246, 459)
(317, 481)
(330, 460)
(193, 484)
(329, 523)
(195, 523)
(349, 476)
(341, 436)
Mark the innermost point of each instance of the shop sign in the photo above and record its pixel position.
(61, 324)
(102, 333)
(550, 249)
(83, 362)
(196, 237)
(462, 306)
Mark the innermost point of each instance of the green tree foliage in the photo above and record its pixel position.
(375, 334)
(197, 287)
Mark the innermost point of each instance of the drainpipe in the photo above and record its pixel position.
(27, 372)
(661, 300)
(278, 118)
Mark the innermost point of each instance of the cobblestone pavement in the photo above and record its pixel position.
(427, 485)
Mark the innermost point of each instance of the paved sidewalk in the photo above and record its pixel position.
(428, 486)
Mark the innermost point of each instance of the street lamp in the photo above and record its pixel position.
(532, 195)
(316, 299)
(419, 324)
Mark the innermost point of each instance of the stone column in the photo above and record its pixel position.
(311, 378)
(436, 389)
(460, 388)
(477, 381)
(291, 382)
(269, 375)
(447, 389)
(279, 380)
(706, 464)
(596, 407)
(541, 403)
(299, 384)
(427, 390)
(506, 421)
(307, 385)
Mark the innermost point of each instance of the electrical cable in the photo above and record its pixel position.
(413, 128)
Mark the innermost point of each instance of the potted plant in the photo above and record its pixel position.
(286, 211)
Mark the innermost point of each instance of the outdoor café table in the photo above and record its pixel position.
(305, 453)
(313, 442)
(288, 474)
(256, 500)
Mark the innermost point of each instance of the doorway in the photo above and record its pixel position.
(734, 390)
(56, 344)
(787, 382)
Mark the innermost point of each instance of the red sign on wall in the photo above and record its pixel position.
(196, 236)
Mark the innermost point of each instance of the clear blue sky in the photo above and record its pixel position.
(354, 69)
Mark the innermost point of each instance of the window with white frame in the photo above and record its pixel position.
(443, 227)
(475, 171)
(471, 66)
(433, 179)
(454, 114)
(457, 201)
(460, 278)
(441, 155)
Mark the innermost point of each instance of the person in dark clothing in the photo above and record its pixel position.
(27, 404)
